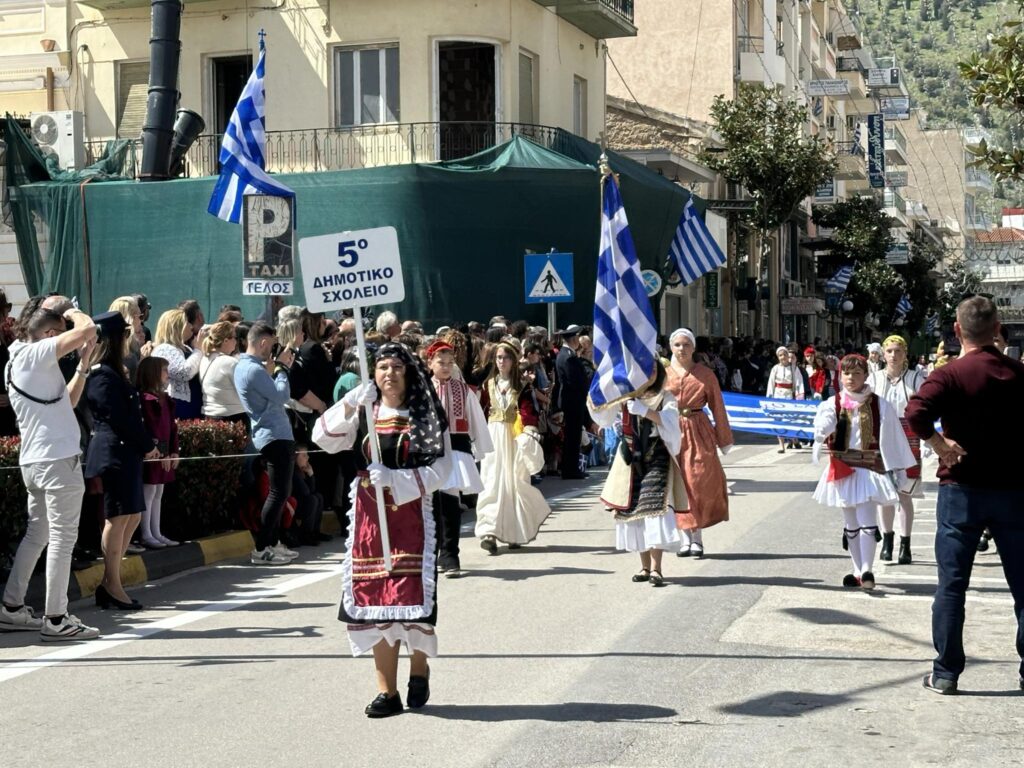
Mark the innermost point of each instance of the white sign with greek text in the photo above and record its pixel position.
(362, 268)
(268, 287)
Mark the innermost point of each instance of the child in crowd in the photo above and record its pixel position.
(306, 502)
(158, 415)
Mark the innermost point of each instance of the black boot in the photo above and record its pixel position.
(905, 558)
(887, 542)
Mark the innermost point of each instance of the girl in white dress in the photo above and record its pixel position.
(785, 383)
(509, 509)
(869, 456)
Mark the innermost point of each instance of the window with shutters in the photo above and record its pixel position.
(527, 88)
(132, 88)
(366, 85)
(579, 106)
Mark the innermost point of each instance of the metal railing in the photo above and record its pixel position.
(849, 149)
(364, 146)
(894, 134)
(978, 176)
(750, 44)
(623, 8)
(893, 199)
(849, 64)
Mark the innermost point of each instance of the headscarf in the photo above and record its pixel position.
(874, 346)
(781, 348)
(426, 414)
(683, 332)
(895, 339)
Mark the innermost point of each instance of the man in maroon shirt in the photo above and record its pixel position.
(980, 400)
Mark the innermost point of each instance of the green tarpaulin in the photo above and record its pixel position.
(463, 227)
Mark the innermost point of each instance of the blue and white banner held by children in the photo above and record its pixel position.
(768, 416)
(243, 151)
(625, 334)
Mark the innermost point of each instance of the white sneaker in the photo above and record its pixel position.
(282, 550)
(21, 620)
(70, 628)
(268, 556)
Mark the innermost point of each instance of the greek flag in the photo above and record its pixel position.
(932, 323)
(625, 334)
(840, 280)
(903, 305)
(693, 251)
(856, 148)
(243, 152)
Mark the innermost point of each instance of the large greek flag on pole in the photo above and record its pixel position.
(625, 335)
(243, 152)
(693, 251)
(840, 281)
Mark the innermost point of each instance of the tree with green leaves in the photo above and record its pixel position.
(766, 151)
(961, 282)
(995, 79)
(861, 229)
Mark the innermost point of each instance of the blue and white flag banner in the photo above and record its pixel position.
(840, 280)
(625, 334)
(768, 416)
(932, 323)
(243, 151)
(694, 251)
(903, 305)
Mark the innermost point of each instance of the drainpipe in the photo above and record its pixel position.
(164, 56)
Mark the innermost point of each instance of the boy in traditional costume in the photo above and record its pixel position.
(869, 454)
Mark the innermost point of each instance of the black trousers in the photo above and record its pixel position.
(448, 511)
(279, 456)
(572, 432)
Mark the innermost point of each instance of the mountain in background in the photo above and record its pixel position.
(928, 39)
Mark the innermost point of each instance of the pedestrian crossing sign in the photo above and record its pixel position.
(548, 278)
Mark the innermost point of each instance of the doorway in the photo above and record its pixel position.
(228, 76)
(467, 97)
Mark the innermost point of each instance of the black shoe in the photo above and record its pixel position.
(644, 575)
(419, 691)
(515, 546)
(940, 685)
(867, 580)
(888, 539)
(657, 580)
(106, 600)
(905, 557)
(684, 552)
(490, 544)
(983, 544)
(849, 580)
(384, 706)
(697, 551)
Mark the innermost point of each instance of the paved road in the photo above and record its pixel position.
(551, 656)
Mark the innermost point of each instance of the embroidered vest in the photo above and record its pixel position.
(843, 459)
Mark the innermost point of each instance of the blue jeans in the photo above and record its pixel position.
(963, 513)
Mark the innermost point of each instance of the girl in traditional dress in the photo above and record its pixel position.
(695, 386)
(785, 383)
(644, 487)
(385, 609)
(509, 509)
(897, 383)
(866, 442)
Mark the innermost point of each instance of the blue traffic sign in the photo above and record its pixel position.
(548, 278)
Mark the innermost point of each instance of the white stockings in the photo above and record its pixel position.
(860, 529)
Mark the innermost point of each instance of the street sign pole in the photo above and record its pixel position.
(551, 320)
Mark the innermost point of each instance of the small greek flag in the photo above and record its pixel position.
(625, 334)
(903, 305)
(840, 280)
(243, 151)
(693, 251)
(856, 148)
(932, 323)
(819, 106)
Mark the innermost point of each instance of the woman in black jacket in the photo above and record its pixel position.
(119, 444)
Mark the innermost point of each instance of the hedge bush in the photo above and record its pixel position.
(202, 500)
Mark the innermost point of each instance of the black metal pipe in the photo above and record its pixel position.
(187, 128)
(162, 101)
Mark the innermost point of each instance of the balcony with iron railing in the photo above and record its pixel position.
(976, 178)
(852, 165)
(895, 206)
(338, 149)
(601, 19)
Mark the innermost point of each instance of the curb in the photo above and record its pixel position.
(151, 565)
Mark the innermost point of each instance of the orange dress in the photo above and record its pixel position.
(698, 460)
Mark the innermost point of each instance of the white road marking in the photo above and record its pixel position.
(86, 648)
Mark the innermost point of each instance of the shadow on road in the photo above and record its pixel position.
(771, 556)
(569, 712)
(798, 703)
(521, 574)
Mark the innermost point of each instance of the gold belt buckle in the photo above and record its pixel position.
(685, 412)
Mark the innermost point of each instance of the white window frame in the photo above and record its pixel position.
(357, 101)
(580, 127)
(534, 85)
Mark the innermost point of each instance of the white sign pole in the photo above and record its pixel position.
(382, 512)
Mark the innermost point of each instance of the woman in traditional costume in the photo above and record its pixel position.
(385, 609)
(694, 387)
(509, 509)
(644, 488)
(897, 383)
(869, 453)
(785, 383)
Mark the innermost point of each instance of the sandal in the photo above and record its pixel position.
(644, 575)
(657, 580)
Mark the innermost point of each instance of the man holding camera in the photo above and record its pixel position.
(261, 378)
(51, 467)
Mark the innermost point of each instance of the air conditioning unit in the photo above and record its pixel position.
(60, 134)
